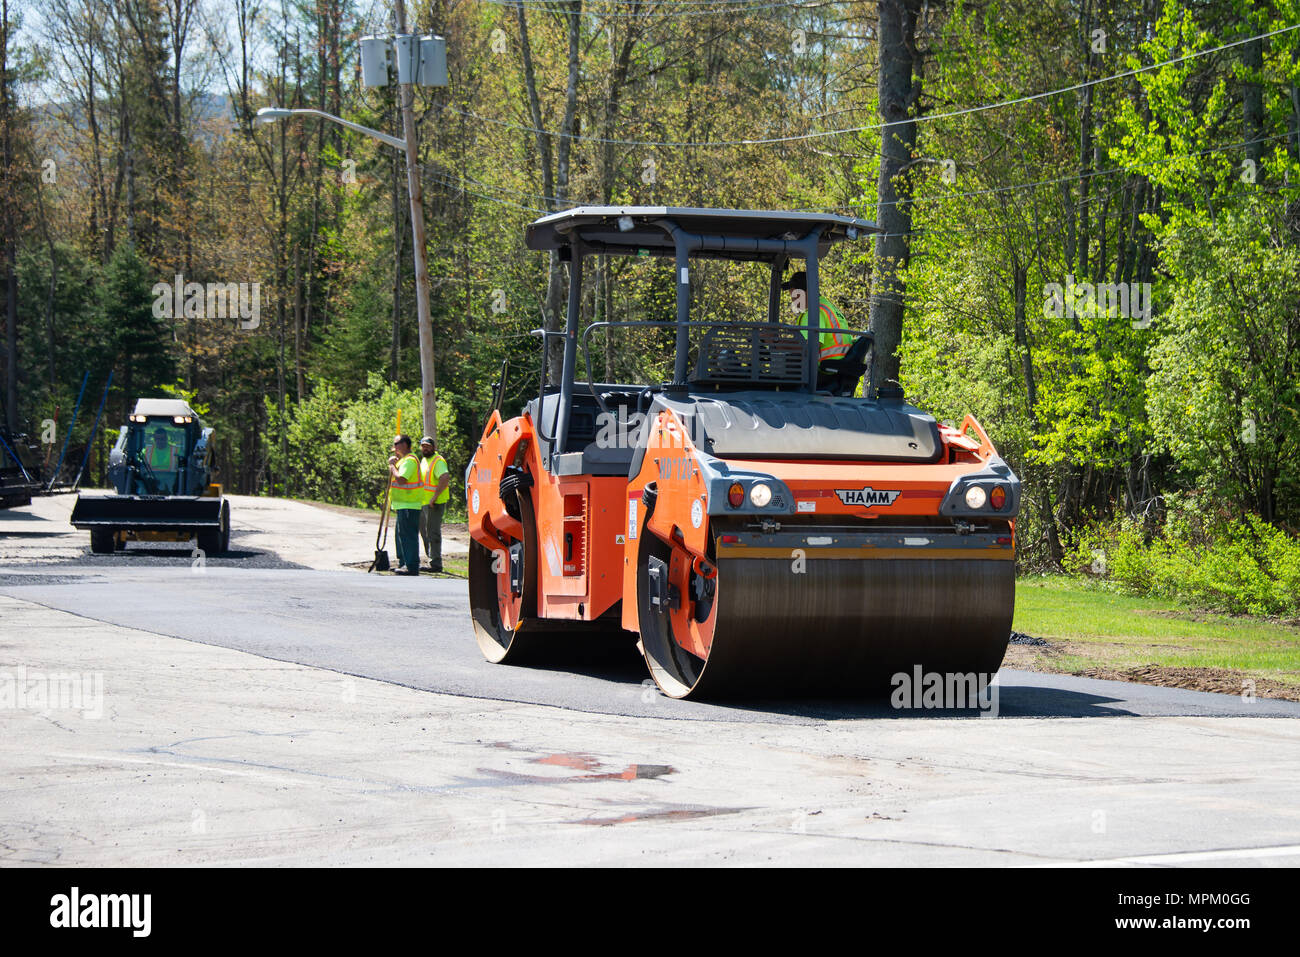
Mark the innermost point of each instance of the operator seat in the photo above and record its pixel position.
(841, 376)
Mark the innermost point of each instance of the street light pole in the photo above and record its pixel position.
(424, 321)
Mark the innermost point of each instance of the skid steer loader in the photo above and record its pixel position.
(161, 470)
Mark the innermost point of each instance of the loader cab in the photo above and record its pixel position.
(588, 427)
(161, 451)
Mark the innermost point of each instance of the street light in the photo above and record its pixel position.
(270, 114)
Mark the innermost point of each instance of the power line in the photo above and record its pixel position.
(648, 3)
(695, 8)
(448, 179)
(669, 10)
(456, 183)
(924, 118)
(1082, 176)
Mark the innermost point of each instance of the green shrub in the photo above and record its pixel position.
(1246, 567)
(338, 447)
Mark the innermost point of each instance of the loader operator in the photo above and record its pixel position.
(436, 478)
(162, 459)
(408, 498)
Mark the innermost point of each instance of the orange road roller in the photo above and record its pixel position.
(754, 525)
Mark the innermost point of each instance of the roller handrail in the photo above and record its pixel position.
(541, 384)
(642, 323)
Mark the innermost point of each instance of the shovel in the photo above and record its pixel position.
(380, 564)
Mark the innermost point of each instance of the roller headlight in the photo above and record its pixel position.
(975, 497)
(760, 495)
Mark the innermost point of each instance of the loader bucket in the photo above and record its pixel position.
(141, 514)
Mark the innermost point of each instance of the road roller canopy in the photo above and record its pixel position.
(768, 355)
(743, 234)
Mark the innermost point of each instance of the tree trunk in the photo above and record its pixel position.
(297, 324)
(1252, 58)
(399, 237)
(1084, 238)
(555, 180)
(899, 90)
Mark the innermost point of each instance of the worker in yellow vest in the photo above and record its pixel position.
(437, 481)
(407, 495)
(834, 342)
(163, 458)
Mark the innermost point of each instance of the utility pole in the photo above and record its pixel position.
(406, 95)
(10, 200)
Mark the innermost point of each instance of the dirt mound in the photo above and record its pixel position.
(1217, 680)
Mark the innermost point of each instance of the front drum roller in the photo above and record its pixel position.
(759, 627)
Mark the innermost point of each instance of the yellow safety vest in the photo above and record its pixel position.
(429, 474)
(162, 459)
(408, 488)
(834, 343)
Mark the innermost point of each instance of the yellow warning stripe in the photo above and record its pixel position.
(813, 551)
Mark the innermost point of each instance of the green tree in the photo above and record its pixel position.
(138, 339)
(1225, 385)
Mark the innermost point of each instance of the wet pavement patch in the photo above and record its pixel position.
(42, 579)
(673, 814)
(579, 762)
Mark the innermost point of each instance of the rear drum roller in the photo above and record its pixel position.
(502, 591)
(225, 527)
(677, 612)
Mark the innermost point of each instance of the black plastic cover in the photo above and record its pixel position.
(800, 426)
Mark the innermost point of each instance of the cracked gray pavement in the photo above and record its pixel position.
(211, 756)
(291, 715)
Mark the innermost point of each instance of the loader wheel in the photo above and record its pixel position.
(502, 591)
(103, 541)
(216, 541)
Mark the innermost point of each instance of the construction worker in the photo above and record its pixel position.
(437, 480)
(162, 454)
(408, 498)
(834, 343)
